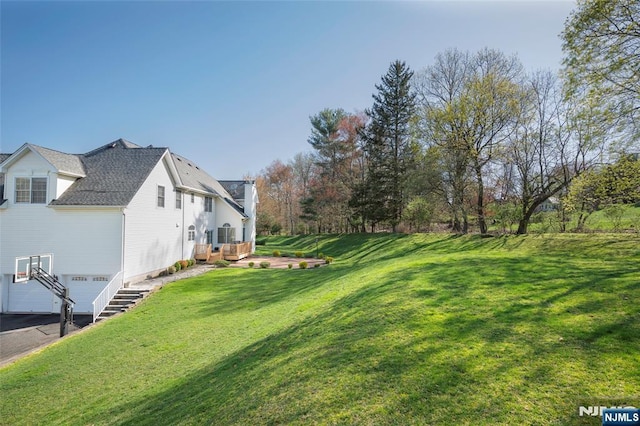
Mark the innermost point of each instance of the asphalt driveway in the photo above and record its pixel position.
(21, 334)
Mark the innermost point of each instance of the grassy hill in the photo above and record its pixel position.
(599, 221)
(421, 329)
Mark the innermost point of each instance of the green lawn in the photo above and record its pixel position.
(422, 329)
(598, 221)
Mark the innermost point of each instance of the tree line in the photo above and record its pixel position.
(473, 139)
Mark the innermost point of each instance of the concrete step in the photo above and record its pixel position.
(108, 312)
(124, 299)
(132, 291)
(129, 295)
(122, 302)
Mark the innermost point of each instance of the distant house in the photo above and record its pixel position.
(110, 217)
(551, 204)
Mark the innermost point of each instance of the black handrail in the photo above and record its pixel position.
(51, 283)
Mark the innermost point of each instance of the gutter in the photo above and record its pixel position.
(124, 233)
(184, 207)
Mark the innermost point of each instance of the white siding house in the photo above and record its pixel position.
(121, 212)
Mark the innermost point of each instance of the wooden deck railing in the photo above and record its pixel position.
(202, 251)
(227, 251)
(236, 251)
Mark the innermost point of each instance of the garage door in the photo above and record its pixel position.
(30, 296)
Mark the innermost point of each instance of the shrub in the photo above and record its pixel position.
(251, 264)
(321, 255)
(635, 222)
(303, 265)
(184, 264)
(290, 266)
(614, 213)
(276, 228)
(276, 253)
(264, 265)
(328, 260)
(178, 266)
(192, 262)
(316, 265)
(221, 263)
(171, 270)
(299, 254)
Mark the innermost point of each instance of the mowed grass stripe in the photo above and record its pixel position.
(399, 330)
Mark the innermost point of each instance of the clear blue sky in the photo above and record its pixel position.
(231, 85)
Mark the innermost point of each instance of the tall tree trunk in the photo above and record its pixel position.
(523, 223)
(563, 219)
(482, 223)
(465, 221)
(455, 223)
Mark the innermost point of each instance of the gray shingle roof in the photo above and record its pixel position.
(120, 143)
(65, 163)
(237, 207)
(194, 177)
(114, 173)
(235, 188)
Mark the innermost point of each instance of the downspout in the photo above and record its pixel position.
(124, 229)
(184, 206)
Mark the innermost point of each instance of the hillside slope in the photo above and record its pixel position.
(399, 329)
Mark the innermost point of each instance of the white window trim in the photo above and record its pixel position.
(164, 196)
(178, 202)
(229, 234)
(15, 189)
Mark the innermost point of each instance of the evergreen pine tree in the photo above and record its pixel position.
(386, 141)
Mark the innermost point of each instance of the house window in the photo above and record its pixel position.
(23, 190)
(226, 234)
(193, 198)
(178, 199)
(38, 190)
(191, 233)
(31, 190)
(160, 196)
(208, 204)
(209, 236)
